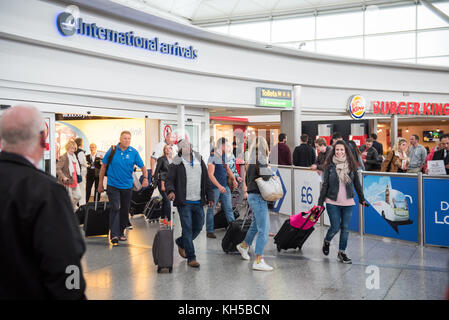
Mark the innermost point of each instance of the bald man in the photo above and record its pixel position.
(41, 245)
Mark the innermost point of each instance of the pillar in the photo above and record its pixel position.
(393, 129)
(291, 120)
(181, 122)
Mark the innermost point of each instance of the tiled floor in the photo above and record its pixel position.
(128, 272)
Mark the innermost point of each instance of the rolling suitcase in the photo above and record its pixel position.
(220, 220)
(96, 222)
(294, 236)
(236, 233)
(139, 199)
(163, 246)
(80, 214)
(153, 209)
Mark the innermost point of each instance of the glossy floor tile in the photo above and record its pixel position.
(381, 269)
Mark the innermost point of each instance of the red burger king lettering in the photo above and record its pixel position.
(410, 108)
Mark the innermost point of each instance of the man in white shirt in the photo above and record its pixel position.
(158, 152)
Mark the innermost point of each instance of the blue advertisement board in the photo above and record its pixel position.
(436, 212)
(393, 210)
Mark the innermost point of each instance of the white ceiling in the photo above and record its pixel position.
(206, 11)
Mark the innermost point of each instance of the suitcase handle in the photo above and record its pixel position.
(312, 211)
(246, 215)
(96, 201)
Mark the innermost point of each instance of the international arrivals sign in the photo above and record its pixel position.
(68, 26)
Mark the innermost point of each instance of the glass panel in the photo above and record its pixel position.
(339, 25)
(428, 19)
(341, 47)
(440, 61)
(220, 29)
(293, 29)
(433, 43)
(259, 31)
(397, 46)
(389, 19)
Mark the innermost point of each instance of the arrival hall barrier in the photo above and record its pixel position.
(403, 206)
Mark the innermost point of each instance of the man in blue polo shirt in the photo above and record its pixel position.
(120, 182)
(218, 174)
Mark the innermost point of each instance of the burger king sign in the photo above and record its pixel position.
(357, 106)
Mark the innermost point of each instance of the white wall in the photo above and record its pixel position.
(34, 56)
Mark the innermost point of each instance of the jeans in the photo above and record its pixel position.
(166, 205)
(260, 224)
(119, 200)
(340, 216)
(192, 221)
(226, 204)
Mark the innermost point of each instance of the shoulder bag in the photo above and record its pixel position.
(270, 190)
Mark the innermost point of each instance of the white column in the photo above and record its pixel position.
(297, 128)
(393, 129)
(205, 135)
(181, 122)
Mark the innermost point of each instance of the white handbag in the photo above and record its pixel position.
(270, 190)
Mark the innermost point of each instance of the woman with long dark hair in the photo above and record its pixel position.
(340, 175)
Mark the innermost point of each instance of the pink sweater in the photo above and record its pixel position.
(342, 199)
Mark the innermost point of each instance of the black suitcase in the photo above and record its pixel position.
(289, 237)
(220, 220)
(139, 199)
(163, 246)
(96, 222)
(80, 214)
(236, 233)
(153, 209)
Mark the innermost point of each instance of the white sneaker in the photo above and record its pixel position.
(243, 251)
(262, 266)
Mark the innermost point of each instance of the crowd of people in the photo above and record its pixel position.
(402, 158)
(182, 175)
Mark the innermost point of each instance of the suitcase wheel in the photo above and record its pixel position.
(279, 248)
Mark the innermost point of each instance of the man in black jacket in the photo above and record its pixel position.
(41, 245)
(443, 154)
(370, 156)
(189, 186)
(304, 155)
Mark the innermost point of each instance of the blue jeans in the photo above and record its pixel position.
(260, 224)
(119, 200)
(192, 221)
(340, 216)
(226, 204)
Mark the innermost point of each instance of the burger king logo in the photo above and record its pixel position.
(357, 106)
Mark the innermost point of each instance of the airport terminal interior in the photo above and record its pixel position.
(201, 70)
(406, 272)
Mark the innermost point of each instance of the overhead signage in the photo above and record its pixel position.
(69, 26)
(410, 108)
(357, 107)
(271, 97)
